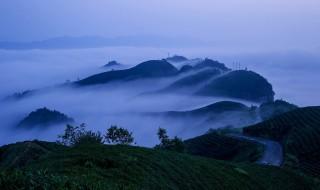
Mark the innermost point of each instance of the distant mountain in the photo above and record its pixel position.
(44, 117)
(112, 64)
(208, 63)
(203, 72)
(240, 84)
(149, 69)
(177, 58)
(20, 95)
(216, 115)
(65, 42)
(272, 109)
(187, 83)
(71, 42)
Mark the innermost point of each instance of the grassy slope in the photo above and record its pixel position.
(125, 167)
(299, 132)
(214, 145)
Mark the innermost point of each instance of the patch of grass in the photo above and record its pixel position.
(126, 167)
(22, 153)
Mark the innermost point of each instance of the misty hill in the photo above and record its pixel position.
(189, 82)
(220, 114)
(44, 117)
(208, 63)
(112, 64)
(20, 95)
(215, 108)
(272, 109)
(43, 165)
(149, 69)
(299, 133)
(186, 68)
(204, 72)
(177, 58)
(245, 85)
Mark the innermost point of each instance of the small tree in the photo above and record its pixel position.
(162, 134)
(70, 134)
(115, 135)
(175, 144)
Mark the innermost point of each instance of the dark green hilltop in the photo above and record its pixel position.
(299, 133)
(240, 84)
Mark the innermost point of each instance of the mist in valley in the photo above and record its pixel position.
(122, 103)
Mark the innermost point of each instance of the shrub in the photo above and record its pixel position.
(76, 135)
(115, 135)
(89, 137)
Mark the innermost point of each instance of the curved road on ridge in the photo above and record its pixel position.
(273, 153)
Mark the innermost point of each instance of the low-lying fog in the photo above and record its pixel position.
(293, 75)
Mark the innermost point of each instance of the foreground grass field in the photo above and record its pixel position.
(299, 132)
(40, 165)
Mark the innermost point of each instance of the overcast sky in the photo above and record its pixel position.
(277, 23)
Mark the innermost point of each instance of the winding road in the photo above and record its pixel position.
(273, 153)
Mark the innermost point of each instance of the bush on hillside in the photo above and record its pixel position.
(175, 144)
(118, 135)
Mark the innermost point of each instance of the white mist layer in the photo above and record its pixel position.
(295, 80)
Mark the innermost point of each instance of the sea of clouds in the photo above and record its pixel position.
(294, 76)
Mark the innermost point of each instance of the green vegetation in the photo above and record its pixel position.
(299, 132)
(44, 117)
(218, 146)
(245, 85)
(119, 135)
(76, 135)
(20, 154)
(96, 166)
